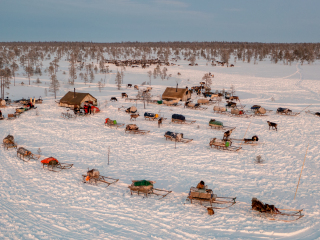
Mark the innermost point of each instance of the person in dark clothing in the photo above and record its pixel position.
(159, 122)
(0, 114)
(89, 109)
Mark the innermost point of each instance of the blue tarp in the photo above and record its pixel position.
(178, 116)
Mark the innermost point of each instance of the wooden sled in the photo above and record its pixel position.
(270, 212)
(195, 106)
(112, 125)
(206, 197)
(54, 165)
(147, 190)
(253, 141)
(177, 139)
(220, 110)
(93, 177)
(8, 142)
(287, 112)
(220, 127)
(68, 115)
(26, 155)
(221, 145)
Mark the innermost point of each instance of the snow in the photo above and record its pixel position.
(39, 204)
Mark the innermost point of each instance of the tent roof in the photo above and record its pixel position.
(174, 93)
(69, 99)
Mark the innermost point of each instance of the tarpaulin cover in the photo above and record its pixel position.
(178, 116)
(255, 107)
(146, 114)
(142, 183)
(283, 109)
(47, 160)
(214, 122)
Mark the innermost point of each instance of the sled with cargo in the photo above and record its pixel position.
(270, 212)
(8, 142)
(223, 145)
(214, 124)
(180, 119)
(176, 137)
(286, 111)
(146, 188)
(207, 197)
(93, 177)
(134, 129)
(112, 123)
(26, 155)
(52, 164)
(250, 141)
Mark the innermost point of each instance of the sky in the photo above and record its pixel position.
(160, 20)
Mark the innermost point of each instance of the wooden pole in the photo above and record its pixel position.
(305, 108)
(246, 132)
(301, 173)
(108, 154)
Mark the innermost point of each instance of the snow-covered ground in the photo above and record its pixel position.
(39, 204)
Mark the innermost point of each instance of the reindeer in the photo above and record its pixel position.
(273, 125)
(235, 98)
(136, 87)
(134, 116)
(129, 85)
(124, 95)
(112, 99)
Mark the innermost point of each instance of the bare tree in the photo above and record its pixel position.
(118, 80)
(207, 80)
(14, 68)
(72, 73)
(150, 75)
(192, 59)
(91, 76)
(145, 96)
(54, 85)
(100, 85)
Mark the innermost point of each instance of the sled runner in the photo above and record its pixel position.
(52, 164)
(178, 137)
(223, 145)
(206, 197)
(93, 177)
(26, 155)
(270, 212)
(146, 187)
(134, 129)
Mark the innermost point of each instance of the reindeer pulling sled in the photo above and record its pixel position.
(146, 187)
(178, 118)
(223, 145)
(177, 137)
(276, 214)
(26, 155)
(8, 142)
(206, 197)
(219, 125)
(93, 177)
(286, 111)
(52, 164)
(134, 129)
(112, 123)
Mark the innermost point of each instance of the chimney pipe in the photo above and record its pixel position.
(74, 92)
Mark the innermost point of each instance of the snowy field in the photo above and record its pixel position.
(39, 204)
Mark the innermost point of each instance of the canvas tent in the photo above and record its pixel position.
(75, 98)
(176, 93)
